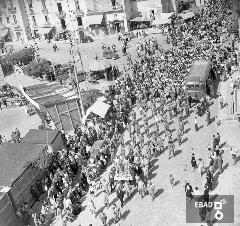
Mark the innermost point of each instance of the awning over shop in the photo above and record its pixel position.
(3, 33)
(186, 15)
(164, 18)
(141, 19)
(45, 30)
(95, 19)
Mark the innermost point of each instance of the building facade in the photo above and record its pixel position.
(27, 19)
(14, 19)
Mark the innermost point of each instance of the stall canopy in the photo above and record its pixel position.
(99, 65)
(92, 20)
(141, 19)
(99, 108)
(164, 18)
(186, 15)
(15, 158)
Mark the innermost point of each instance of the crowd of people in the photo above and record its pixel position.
(154, 84)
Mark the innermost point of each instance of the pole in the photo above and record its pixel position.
(80, 57)
(76, 77)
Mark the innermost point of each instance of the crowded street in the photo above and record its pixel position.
(162, 136)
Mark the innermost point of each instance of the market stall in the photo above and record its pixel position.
(99, 69)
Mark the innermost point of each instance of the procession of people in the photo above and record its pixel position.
(146, 101)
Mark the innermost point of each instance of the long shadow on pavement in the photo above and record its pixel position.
(158, 192)
(132, 195)
(177, 152)
(125, 214)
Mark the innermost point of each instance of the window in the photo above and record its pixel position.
(79, 21)
(46, 19)
(11, 3)
(190, 87)
(44, 4)
(34, 20)
(197, 87)
(8, 20)
(15, 19)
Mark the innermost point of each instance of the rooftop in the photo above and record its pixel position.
(14, 159)
(36, 136)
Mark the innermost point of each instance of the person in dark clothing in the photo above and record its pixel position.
(120, 195)
(189, 100)
(209, 179)
(189, 191)
(193, 162)
(34, 193)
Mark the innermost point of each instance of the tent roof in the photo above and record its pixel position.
(186, 15)
(163, 18)
(37, 136)
(99, 65)
(99, 108)
(141, 19)
(14, 158)
(49, 93)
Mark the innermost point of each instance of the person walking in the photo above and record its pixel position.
(201, 167)
(171, 150)
(103, 218)
(214, 143)
(141, 188)
(151, 190)
(106, 200)
(92, 207)
(189, 100)
(171, 180)
(220, 163)
(189, 191)
(196, 123)
(193, 162)
(179, 137)
(234, 153)
(120, 195)
(221, 101)
(208, 117)
(218, 138)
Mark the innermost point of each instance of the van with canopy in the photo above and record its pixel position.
(199, 81)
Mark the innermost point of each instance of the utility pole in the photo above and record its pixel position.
(76, 77)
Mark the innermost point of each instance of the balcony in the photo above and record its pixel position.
(79, 12)
(44, 10)
(61, 15)
(110, 9)
(12, 10)
(47, 24)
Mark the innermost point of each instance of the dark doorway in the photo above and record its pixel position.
(59, 5)
(79, 21)
(117, 27)
(63, 23)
